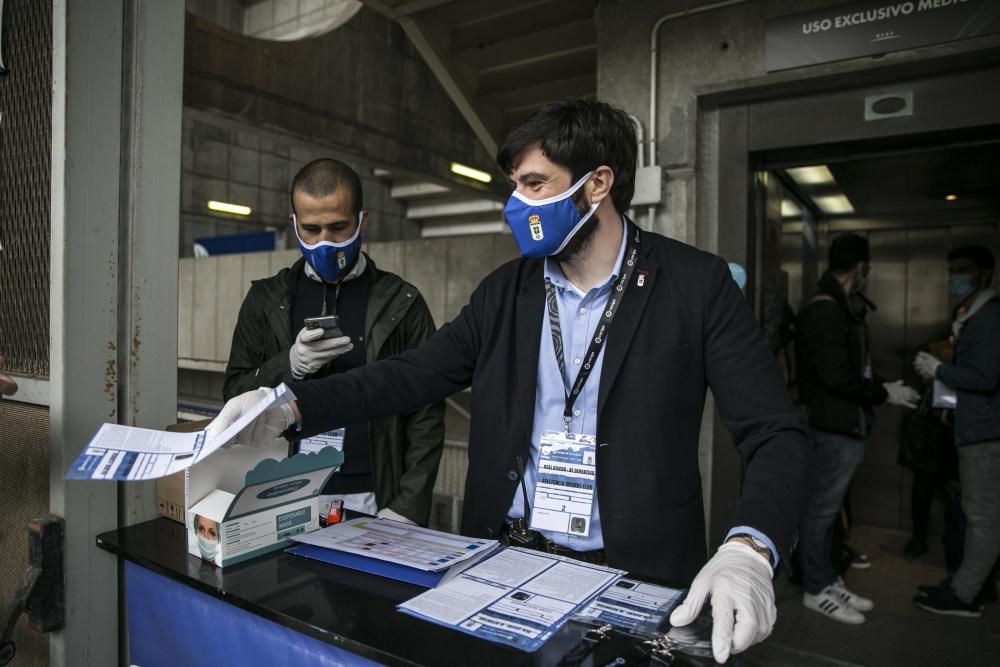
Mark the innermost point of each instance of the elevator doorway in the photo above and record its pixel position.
(914, 201)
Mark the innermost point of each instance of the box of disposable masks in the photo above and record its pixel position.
(245, 501)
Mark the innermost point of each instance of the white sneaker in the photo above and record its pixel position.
(831, 605)
(853, 599)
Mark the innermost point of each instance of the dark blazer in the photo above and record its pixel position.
(687, 328)
(975, 375)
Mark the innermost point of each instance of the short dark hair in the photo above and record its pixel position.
(581, 135)
(846, 251)
(981, 255)
(322, 177)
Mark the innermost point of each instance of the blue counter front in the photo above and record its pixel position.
(280, 609)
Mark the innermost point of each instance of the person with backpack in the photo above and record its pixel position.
(838, 390)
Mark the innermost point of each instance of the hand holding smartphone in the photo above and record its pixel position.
(330, 324)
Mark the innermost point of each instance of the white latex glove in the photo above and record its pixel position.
(738, 579)
(262, 431)
(386, 513)
(926, 365)
(311, 351)
(900, 394)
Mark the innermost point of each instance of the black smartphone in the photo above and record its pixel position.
(330, 325)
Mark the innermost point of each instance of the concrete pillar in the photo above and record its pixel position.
(114, 189)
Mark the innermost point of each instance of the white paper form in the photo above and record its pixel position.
(943, 396)
(124, 453)
(515, 597)
(633, 606)
(395, 542)
(334, 438)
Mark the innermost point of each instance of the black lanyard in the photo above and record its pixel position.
(600, 334)
(336, 296)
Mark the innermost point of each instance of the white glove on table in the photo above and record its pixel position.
(311, 351)
(738, 579)
(926, 365)
(262, 431)
(900, 394)
(386, 513)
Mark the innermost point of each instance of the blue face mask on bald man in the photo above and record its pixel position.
(543, 227)
(329, 259)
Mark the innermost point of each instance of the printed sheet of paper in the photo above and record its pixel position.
(395, 542)
(515, 597)
(333, 439)
(944, 396)
(124, 453)
(632, 606)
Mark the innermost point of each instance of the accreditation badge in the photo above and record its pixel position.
(565, 483)
(334, 438)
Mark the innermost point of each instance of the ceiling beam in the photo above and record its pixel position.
(531, 46)
(449, 78)
(451, 208)
(536, 95)
(415, 6)
(415, 190)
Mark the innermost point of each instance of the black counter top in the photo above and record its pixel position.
(345, 608)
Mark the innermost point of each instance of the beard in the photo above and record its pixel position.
(582, 239)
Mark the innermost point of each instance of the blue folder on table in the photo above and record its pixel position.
(381, 568)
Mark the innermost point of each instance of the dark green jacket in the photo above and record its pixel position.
(405, 449)
(830, 349)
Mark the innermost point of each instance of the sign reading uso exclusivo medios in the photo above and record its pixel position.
(869, 28)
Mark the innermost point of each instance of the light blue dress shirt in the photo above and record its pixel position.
(579, 315)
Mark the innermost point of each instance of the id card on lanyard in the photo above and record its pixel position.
(566, 476)
(564, 486)
(334, 438)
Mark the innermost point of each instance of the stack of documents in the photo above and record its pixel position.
(395, 550)
(516, 597)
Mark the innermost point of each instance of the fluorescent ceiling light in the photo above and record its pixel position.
(818, 174)
(789, 209)
(950, 197)
(469, 172)
(834, 204)
(223, 207)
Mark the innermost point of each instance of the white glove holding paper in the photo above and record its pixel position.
(738, 579)
(900, 394)
(926, 365)
(263, 430)
(386, 513)
(311, 351)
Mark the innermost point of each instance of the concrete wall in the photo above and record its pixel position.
(232, 160)
(706, 61)
(361, 89)
(694, 52)
(445, 270)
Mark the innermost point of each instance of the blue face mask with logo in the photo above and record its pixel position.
(330, 260)
(961, 284)
(543, 227)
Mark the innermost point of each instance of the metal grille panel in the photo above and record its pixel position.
(25, 143)
(24, 494)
